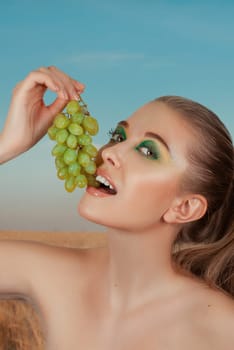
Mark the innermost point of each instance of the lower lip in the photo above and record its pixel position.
(93, 191)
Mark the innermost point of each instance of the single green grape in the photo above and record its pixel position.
(73, 107)
(83, 158)
(91, 168)
(58, 150)
(59, 163)
(52, 131)
(62, 173)
(72, 141)
(61, 121)
(74, 169)
(70, 184)
(61, 136)
(92, 181)
(84, 140)
(77, 118)
(81, 181)
(91, 150)
(75, 129)
(69, 156)
(90, 125)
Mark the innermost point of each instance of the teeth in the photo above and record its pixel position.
(104, 181)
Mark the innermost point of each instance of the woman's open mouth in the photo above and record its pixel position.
(105, 185)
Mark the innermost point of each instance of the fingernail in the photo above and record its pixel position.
(76, 96)
(81, 85)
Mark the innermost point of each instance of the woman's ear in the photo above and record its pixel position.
(186, 209)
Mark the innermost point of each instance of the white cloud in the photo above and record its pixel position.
(147, 61)
(159, 63)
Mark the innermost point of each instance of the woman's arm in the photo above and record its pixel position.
(29, 118)
(22, 267)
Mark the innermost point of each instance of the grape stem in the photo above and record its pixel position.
(84, 106)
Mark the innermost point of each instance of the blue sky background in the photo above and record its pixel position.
(126, 52)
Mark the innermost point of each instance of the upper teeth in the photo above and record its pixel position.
(104, 181)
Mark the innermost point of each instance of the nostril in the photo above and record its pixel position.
(110, 161)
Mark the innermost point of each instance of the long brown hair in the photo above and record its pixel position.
(205, 247)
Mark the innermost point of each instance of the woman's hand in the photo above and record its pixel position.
(29, 118)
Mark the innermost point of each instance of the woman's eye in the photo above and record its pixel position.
(148, 149)
(118, 135)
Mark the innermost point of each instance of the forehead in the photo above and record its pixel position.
(161, 119)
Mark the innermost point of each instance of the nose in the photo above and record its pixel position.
(110, 156)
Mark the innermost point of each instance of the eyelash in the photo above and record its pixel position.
(150, 151)
(112, 133)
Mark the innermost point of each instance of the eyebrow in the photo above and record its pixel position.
(151, 134)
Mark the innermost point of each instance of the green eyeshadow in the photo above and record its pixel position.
(149, 149)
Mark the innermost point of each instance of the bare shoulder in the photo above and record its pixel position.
(221, 311)
(35, 257)
(213, 318)
(81, 246)
(32, 265)
(220, 304)
(58, 265)
(24, 264)
(64, 276)
(73, 257)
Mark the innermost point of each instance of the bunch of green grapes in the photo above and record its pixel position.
(74, 152)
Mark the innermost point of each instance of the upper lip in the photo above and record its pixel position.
(103, 173)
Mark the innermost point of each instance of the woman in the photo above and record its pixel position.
(165, 278)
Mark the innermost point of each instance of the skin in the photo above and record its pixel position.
(127, 295)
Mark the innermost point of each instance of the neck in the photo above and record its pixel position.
(139, 266)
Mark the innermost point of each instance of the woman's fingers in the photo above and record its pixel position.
(79, 86)
(27, 107)
(73, 87)
(55, 80)
(41, 78)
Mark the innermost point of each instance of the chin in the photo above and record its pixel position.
(93, 212)
(87, 211)
(105, 214)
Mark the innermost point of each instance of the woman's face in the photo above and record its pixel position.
(144, 162)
